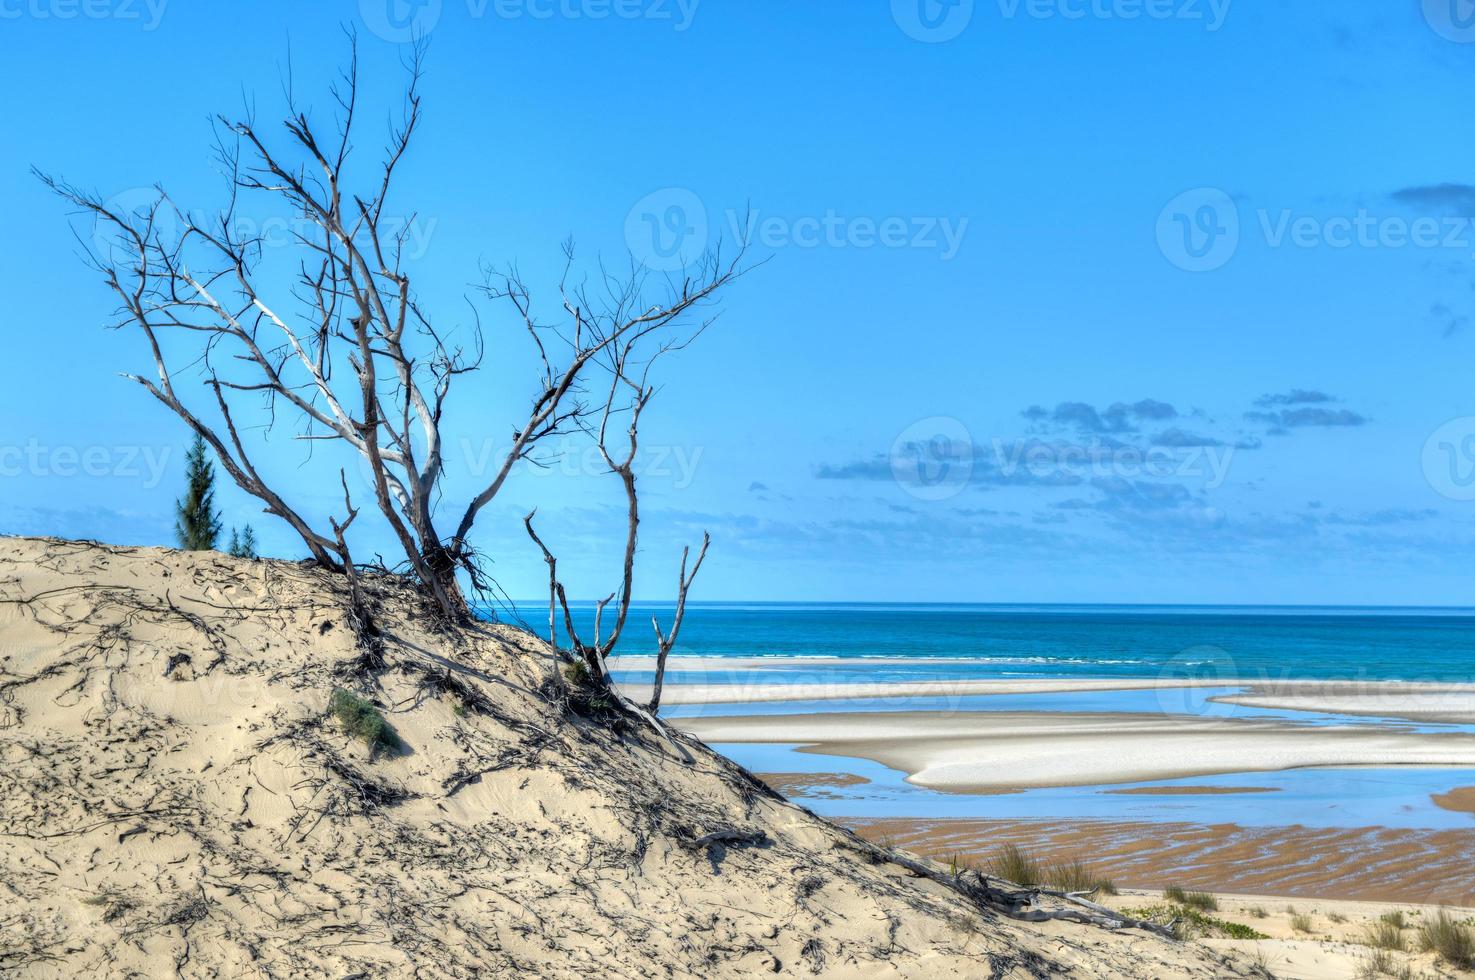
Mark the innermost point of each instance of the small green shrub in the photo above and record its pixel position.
(363, 720)
(1302, 923)
(1193, 924)
(1197, 900)
(1452, 941)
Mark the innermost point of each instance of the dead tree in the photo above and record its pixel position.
(629, 394)
(665, 641)
(329, 329)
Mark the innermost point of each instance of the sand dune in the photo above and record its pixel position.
(175, 800)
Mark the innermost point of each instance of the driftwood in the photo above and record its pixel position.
(729, 835)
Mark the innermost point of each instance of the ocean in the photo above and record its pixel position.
(836, 644)
(894, 642)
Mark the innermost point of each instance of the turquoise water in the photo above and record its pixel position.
(838, 644)
(1075, 641)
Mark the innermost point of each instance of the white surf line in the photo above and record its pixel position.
(1375, 697)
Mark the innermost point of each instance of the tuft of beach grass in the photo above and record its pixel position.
(1381, 963)
(1203, 901)
(1013, 863)
(1451, 941)
(1387, 933)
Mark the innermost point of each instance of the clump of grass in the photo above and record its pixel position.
(363, 720)
(1302, 923)
(1192, 923)
(1078, 876)
(1337, 917)
(1195, 900)
(1396, 919)
(1381, 963)
(1387, 933)
(1014, 863)
(1453, 942)
(1263, 961)
(1259, 912)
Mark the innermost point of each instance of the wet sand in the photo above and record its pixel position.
(1366, 864)
(1460, 800)
(810, 785)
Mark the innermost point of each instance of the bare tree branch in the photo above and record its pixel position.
(278, 324)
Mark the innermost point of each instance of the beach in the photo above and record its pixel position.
(1306, 788)
(189, 780)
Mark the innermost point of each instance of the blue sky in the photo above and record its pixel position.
(1118, 300)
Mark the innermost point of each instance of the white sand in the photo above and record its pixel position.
(986, 751)
(1411, 702)
(1335, 948)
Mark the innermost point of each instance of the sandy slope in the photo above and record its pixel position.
(173, 801)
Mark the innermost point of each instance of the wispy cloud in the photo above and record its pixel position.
(1302, 408)
(1119, 417)
(1300, 418)
(1457, 198)
(1296, 396)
